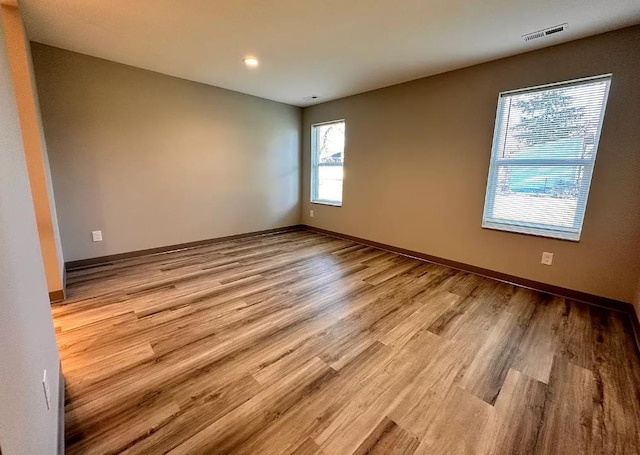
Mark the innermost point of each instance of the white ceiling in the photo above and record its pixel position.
(328, 48)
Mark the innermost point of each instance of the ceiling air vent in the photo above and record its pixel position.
(546, 32)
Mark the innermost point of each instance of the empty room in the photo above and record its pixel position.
(330, 227)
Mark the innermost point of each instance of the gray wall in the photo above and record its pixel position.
(417, 157)
(153, 160)
(27, 341)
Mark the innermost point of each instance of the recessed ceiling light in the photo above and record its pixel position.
(251, 62)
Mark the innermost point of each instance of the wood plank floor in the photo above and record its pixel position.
(299, 343)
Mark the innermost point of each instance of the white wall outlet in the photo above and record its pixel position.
(311, 213)
(547, 258)
(45, 387)
(96, 236)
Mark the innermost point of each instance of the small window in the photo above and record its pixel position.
(544, 150)
(327, 159)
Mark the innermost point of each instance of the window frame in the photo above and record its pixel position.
(314, 184)
(572, 233)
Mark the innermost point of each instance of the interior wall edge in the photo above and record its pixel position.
(61, 413)
(21, 67)
(27, 424)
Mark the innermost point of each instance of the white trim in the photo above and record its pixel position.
(331, 203)
(313, 180)
(521, 229)
(537, 88)
(572, 233)
(328, 122)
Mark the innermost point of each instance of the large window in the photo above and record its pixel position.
(544, 150)
(327, 158)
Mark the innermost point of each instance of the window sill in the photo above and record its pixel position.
(515, 229)
(333, 204)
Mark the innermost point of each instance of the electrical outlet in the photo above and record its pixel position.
(547, 258)
(96, 236)
(45, 387)
(311, 213)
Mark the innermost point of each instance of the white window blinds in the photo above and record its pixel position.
(544, 150)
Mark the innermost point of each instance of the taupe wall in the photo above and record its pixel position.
(417, 156)
(153, 160)
(27, 340)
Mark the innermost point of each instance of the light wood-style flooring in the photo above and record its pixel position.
(299, 343)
